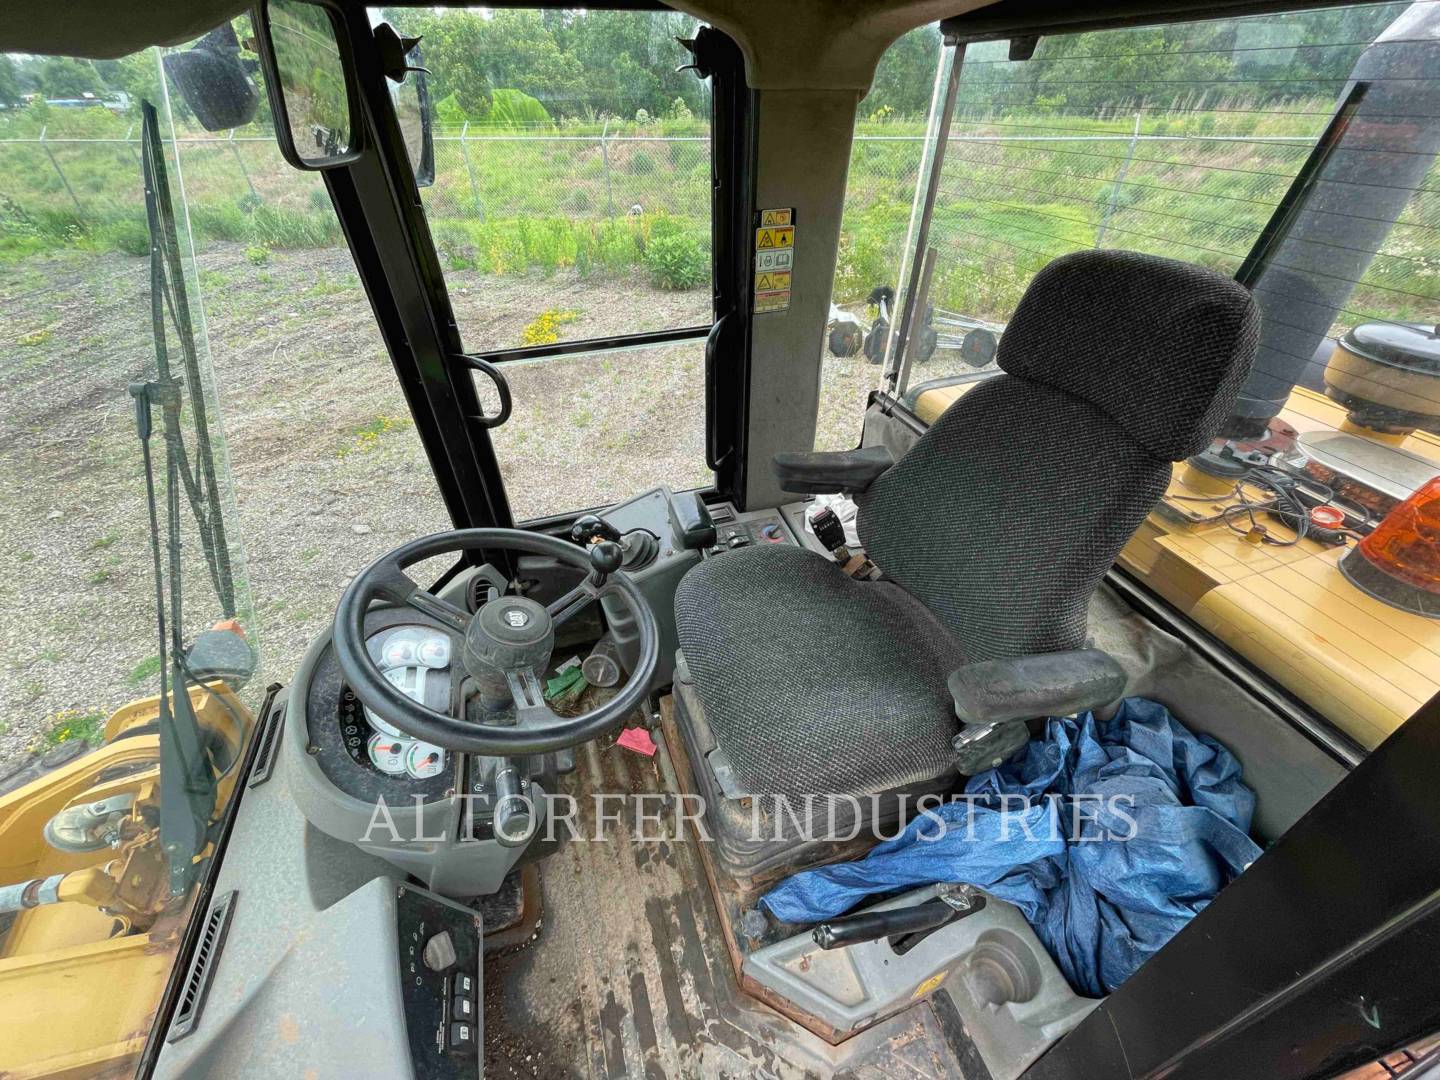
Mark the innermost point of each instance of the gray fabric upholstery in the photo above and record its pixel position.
(1001, 521)
(1161, 347)
(1008, 512)
(813, 681)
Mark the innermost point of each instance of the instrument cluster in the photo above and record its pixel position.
(359, 751)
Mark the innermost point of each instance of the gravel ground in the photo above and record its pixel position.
(327, 469)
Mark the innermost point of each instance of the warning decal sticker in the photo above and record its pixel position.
(774, 258)
(768, 239)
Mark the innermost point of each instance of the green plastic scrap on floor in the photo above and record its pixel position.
(566, 686)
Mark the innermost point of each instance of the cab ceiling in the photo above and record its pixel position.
(809, 44)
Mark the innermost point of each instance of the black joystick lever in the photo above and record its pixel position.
(592, 527)
(605, 557)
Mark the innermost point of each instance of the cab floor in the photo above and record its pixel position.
(628, 974)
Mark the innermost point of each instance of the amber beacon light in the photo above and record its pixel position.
(1399, 562)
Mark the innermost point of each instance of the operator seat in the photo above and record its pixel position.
(992, 533)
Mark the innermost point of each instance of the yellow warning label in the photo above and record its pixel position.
(767, 239)
(771, 219)
(772, 301)
(772, 280)
(929, 984)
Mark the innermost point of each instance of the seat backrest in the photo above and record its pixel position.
(1007, 513)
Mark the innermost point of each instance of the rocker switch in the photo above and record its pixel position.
(462, 1038)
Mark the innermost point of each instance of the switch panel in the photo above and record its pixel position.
(440, 980)
(734, 530)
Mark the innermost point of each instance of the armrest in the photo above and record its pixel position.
(822, 472)
(1042, 684)
(694, 527)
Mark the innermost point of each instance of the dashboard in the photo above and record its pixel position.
(361, 753)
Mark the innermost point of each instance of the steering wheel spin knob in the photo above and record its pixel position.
(606, 557)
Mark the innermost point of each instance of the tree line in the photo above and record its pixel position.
(510, 64)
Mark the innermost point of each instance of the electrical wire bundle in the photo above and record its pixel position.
(1285, 496)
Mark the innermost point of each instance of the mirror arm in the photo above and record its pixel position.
(393, 51)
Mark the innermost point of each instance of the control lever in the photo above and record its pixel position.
(605, 559)
(954, 903)
(825, 523)
(592, 527)
(514, 824)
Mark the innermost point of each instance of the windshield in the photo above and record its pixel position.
(175, 277)
(571, 196)
(130, 653)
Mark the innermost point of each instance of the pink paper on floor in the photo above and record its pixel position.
(637, 739)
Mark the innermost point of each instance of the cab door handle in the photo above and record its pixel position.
(502, 387)
(715, 454)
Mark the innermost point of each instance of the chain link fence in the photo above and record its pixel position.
(61, 190)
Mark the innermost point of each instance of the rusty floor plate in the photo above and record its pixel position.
(629, 975)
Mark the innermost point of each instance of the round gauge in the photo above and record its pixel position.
(399, 652)
(382, 725)
(434, 652)
(424, 760)
(387, 753)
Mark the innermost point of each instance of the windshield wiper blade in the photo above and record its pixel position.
(187, 789)
(168, 297)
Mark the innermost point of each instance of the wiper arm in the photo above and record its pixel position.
(187, 782)
(187, 788)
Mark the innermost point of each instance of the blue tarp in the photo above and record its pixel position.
(1108, 836)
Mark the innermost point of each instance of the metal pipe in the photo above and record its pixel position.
(470, 172)
(605, 158)
(927, 212)
(59, 171)
(1119, 183)
(30, 894)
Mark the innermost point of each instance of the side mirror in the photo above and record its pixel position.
(214, 81)
(410, 95)
(307, 67)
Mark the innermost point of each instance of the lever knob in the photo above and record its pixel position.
(590, 526)
(606, 557)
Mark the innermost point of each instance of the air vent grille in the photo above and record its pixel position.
(269, 746)
(202, 967)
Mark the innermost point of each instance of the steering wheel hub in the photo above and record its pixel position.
(508, 633)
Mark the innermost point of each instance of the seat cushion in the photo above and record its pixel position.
(813, 682)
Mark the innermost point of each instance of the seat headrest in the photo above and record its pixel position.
(1161, 347)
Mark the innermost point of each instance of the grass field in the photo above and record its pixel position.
(1020, 187)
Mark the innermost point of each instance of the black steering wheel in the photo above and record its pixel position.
(507, 646)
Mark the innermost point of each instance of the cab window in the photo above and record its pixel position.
(1297, 153)
(571, 203)
(887, 156)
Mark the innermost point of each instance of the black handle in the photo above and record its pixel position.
(501, 386)
(715, 455)
(892, 922)
(590, 526)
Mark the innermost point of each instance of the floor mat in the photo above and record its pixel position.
(629, 975)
